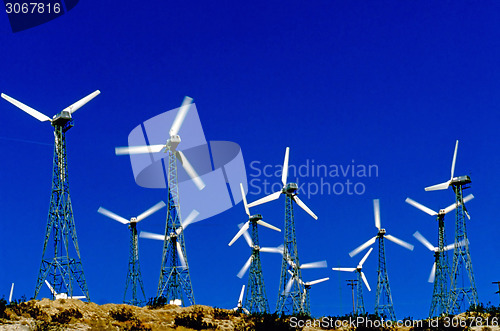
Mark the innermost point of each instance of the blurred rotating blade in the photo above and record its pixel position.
(345, 269)
(314, 282)
(77, 105)
(442, 186)
(181, 115)
(11, 292)
(247, 237)
(468, 198)
(421, 207)
(149, 235)
(270, 197)
(189, 219)
(181, 255)
(365, 280)
(289, 285)
(270, 249)
(267, 225)
(365, 257)
(240, 300)
(112, 215)
(432, 275)
(362, 247)
(450, 208)
(314, 265)
(245, 267)
(35, 113)
(454, 160)
(131, 150)
(399, 242)
(242, 229)
(284, 171)
(244, 200)
(191, 172)
(424, 241)
(150, 211)
(303, 206)
(376, 212)
(447, 248)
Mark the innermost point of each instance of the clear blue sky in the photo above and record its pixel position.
(391, 84)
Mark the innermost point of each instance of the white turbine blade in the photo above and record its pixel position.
(242, 229)
(314, 265)
(270, 197)
(450, 208)
(303, 206)
(54, 293)
(399, 242)
(421, 207)
(181, 115)
(191, 172)
(447, 248)
(442, 186)
(289, 285)
(245, 267)
(454, 161)
(432, 275)
(468, 198)
(376, 212)
(149, 235)
(77, 105)
(344, 269)
(267, 225)
(363, 246)
(247, 237)
(270, 249)
(35, 113)
(11, 292)
(365, 257)
(240, 300)
(181, 255)
(424, 241)
(150, 211)
(244, 200)
(314, 282)
(79, 297)
(131, 150)
(190, 218)
(112, 215)
(467, 214)
(365, 280)
(284, 171)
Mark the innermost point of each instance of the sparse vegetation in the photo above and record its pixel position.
(193, 320)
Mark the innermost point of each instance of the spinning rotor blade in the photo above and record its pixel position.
(78, 297)
(314, 265)
(399, 242)
(303, 206)
(376, 212)
(190, 218)
(447, 248)
(365, 257)
(289, 285)
(11, 292)
(284, 171)
(421, 207)
(131, 150)
(244, 200)
(245, 267)
(365, 280)
(247, 237)
(35, 113)
(54, 293)
(112, 215)
(454, 160)
(450, 208)
(181, 115)
(468, 198)
(242, 229)
(149, 235)
(240, 300)
(424, 241)
(271, 249)
(442, 186)
(432, 275)
(363, 246)
(150, 211)
(345, 269)
(77, 105)
(314, 282)
(270, 197)
(267, 225)
(181, 255)
(191, 172)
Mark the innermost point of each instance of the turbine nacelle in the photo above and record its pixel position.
(255, 218)
(173, 142)
(290, 188)
(381, 232)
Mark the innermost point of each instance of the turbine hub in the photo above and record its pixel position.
(173, 142)
(256, 217)
(290, 188)
(381, 232)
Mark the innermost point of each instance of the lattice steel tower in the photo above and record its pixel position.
(463, 293)
(134, 278)
(289, 302)
(62, 265)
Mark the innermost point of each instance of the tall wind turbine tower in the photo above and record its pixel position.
(463, 292)
(62, 265)
(175, 281)
(440, 273)
(291, 302)
(134, 278)
(383, 301)
(255, 300)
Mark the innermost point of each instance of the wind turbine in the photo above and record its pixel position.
(441, 267)
(360, 305)
(65, 267)
(239, 308)
(383, 302)
(175, 281)
(57, 296)
(463, 292)
(306, 300)
(292, 303)
(134, 277)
